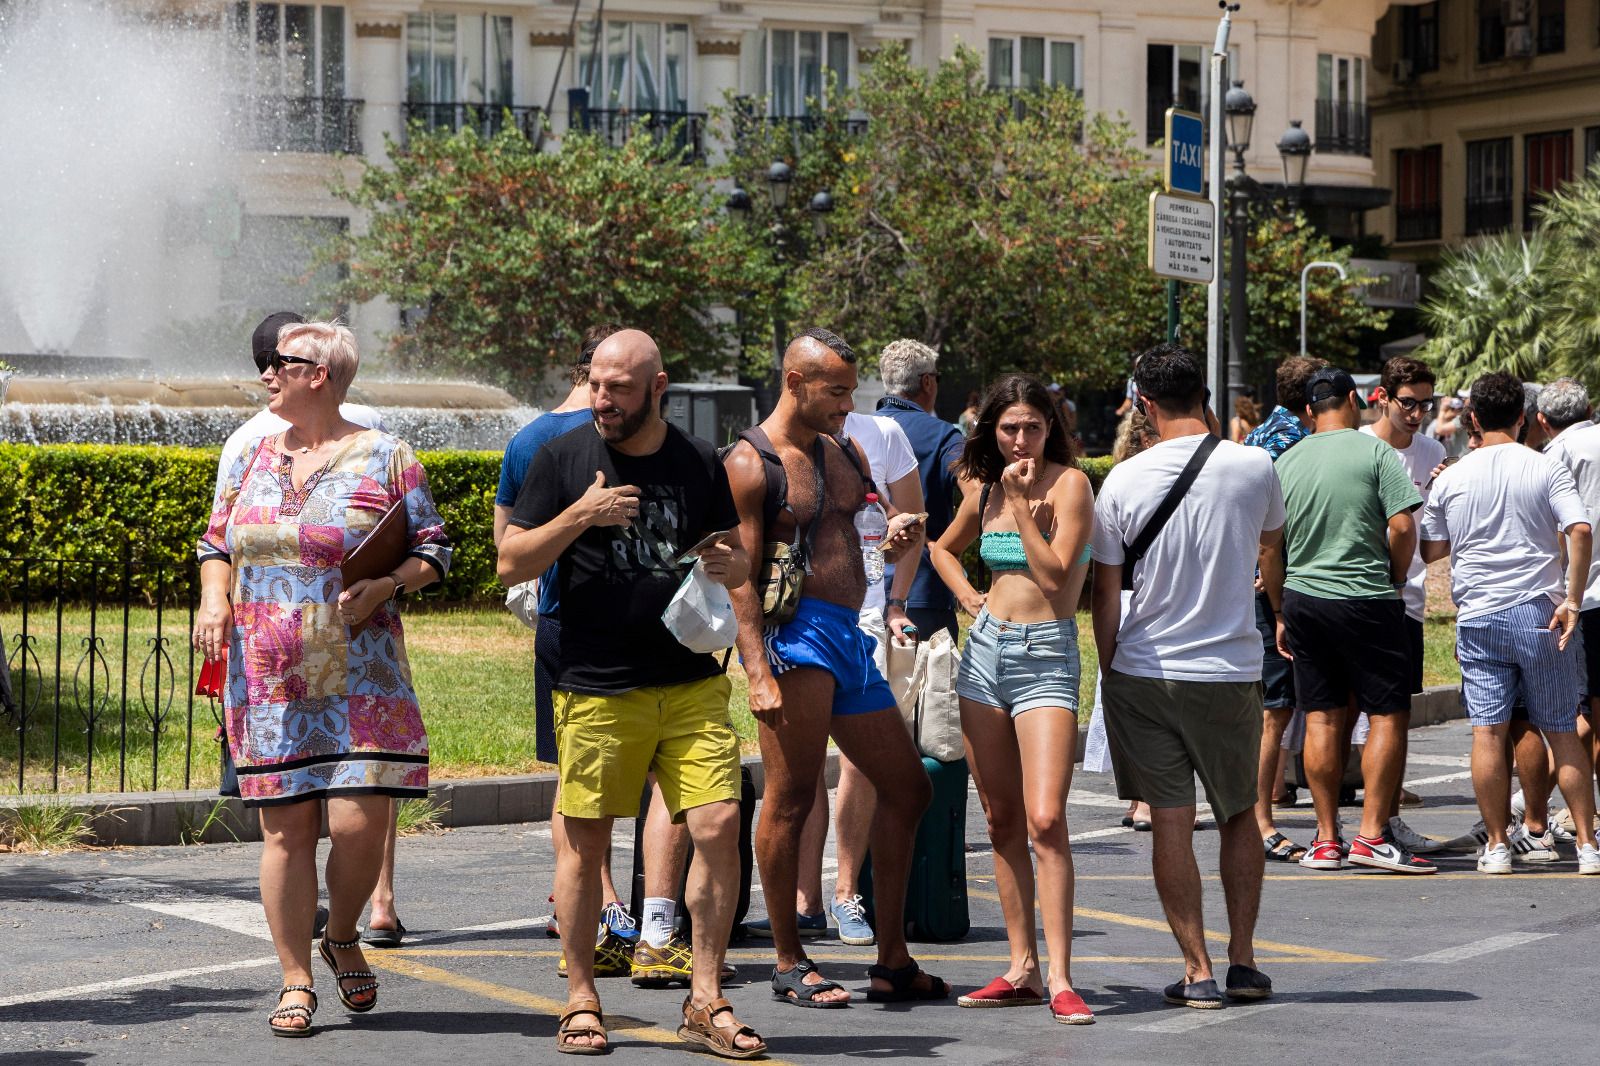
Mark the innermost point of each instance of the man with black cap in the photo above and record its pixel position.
(1350, 539)
(263, 344)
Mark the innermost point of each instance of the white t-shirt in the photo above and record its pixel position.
(1578, 449)
(891, 458)
(264, 424)
(1420, 459)
(1500, 508)
(1192, 617)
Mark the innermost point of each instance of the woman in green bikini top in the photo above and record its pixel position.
(1020, 672)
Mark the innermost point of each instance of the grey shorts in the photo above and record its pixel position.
(1165, 733)
(1018, 666)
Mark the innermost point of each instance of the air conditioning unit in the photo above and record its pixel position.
(1403, 71)
(1519, 42)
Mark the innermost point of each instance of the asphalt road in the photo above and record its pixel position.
(158, 955)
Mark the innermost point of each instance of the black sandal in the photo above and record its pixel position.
(325, 949)
(293, 1010)
(1280, 848)
(789, 986)
(903, 987)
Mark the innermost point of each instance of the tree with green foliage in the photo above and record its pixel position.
(1523, 304)
(512, 252)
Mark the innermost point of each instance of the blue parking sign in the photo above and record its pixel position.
(1185, 170)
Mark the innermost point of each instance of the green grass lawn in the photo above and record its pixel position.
(472, 667)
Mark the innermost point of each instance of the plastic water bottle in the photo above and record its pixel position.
(872, 526)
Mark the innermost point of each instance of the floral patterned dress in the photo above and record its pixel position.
(308, 711)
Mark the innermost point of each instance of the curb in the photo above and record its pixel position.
(201, 816)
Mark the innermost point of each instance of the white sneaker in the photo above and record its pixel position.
(1519, 806)
(1495, 860)
(1410, 839)
(1588, 859)
(1561, 825)
(1480, 833)
(1529, 848)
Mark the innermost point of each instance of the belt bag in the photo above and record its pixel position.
(781, 581)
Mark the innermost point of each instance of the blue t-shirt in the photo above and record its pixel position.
(514, 469)
(938, 445)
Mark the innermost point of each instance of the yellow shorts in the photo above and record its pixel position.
(607, 744)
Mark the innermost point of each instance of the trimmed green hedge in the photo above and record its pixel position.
(99, 503)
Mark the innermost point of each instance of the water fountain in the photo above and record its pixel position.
(118, 191)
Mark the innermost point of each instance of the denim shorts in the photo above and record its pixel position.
(1020, 665)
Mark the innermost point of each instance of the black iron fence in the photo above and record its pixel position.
(685, 130)
(1343, 128)
(487, 119)
(99, 678)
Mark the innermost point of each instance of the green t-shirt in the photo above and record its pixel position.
(1340, 488)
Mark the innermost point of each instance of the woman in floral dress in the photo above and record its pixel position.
(313, 713)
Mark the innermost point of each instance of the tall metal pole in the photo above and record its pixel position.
(1238, 280)
(1321, 264)
(1219, 150)
(1172, 311)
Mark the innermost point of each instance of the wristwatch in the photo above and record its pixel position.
(895, 601)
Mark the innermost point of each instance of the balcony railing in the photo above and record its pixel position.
(853, 127)
(1417, 222)
(1342, 128)
(297, 124)
(487, 119)
(685, 129)
(1488, 214)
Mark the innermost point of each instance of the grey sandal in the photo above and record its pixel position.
(790, 986)
(325, 948)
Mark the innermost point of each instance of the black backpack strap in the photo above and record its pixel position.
(1132, 553)
(777, 478)
(983, 503)
(848, 446)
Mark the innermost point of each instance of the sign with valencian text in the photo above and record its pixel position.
(1184, 170)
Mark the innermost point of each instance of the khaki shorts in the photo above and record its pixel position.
(1165, 733)
(606, 745)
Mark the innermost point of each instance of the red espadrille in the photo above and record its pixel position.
(1001, 993)
(1068, 1008)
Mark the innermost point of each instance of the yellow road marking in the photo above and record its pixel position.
(816, 956)
(1323, 878)
(516, 997)
(1310, 954)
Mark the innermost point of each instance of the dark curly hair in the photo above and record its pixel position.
(1497, 402)
(1171, 377)
(981, 459)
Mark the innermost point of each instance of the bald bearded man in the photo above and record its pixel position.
(616, 502)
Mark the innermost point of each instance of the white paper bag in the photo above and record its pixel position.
(938, 715)
(522, 600)
(701, 614)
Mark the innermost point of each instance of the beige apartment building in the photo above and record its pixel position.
(1479, 108)
(317, 79)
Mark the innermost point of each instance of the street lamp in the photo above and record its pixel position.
(821, 207)
(1244, 192)
(779, 177)
(738, 204)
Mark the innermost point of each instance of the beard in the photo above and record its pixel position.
(631, 423)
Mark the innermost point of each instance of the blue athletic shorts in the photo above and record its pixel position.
(1018, 666)
(824, 636)
(1513, 656)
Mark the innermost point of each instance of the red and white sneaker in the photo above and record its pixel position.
(1324, 855)
(1385, 854)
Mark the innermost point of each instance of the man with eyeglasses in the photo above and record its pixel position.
(1405, 399)
(263, 346)
(383, 924)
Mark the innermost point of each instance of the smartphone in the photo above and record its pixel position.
(705, 542)
(1449, 460)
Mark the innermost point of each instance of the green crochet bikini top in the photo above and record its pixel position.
(1002, 551)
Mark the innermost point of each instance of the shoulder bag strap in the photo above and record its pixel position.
(819, 467)
(983, 504)
(1132, 553)
(848, 447)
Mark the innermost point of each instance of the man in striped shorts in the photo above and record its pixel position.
(1496, 513)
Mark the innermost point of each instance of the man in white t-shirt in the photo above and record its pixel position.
(264, 423)
(1496, 514)
(883, 616)
(1405, 399)
(1181, 668)
(383, 925)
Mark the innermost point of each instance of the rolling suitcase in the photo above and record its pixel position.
(936, 890)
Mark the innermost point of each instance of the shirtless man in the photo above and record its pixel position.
(815, 675)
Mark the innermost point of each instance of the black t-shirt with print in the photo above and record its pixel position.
(616, 580)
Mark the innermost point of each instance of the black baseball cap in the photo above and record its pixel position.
(265, 339)
(1329, 382)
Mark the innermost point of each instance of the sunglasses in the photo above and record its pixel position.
(277, 361)
(1409, 405)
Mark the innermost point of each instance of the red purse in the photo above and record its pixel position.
(213, 675)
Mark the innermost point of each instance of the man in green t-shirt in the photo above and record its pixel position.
(1349, 539)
